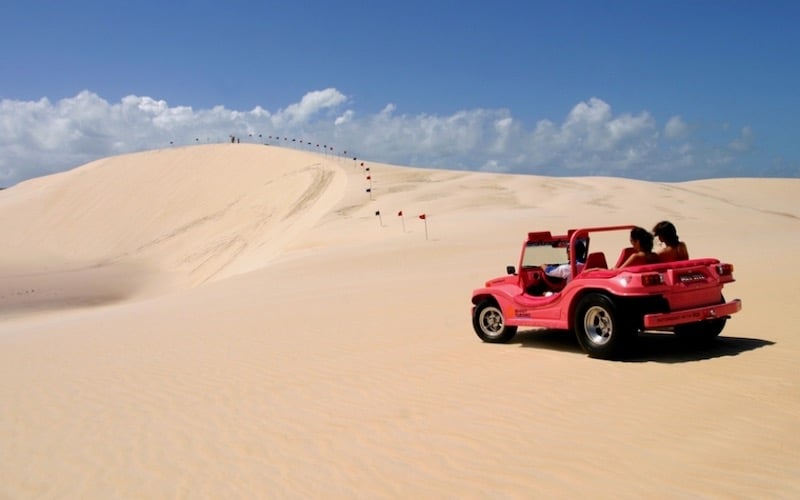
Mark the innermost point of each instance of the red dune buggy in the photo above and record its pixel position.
(605, 306)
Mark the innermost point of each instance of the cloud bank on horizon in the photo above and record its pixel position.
(43, 137)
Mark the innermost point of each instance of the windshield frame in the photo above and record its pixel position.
(539, 254)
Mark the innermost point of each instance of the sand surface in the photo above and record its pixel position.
(235, 321)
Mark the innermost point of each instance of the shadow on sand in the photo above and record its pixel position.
(655, 347)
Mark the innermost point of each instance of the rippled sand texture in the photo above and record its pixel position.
(235, 320)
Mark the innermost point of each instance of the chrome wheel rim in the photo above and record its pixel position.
(598, 325)
(491, 321)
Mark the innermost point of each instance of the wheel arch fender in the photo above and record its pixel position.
(478, 298)
(501, 295)
(578, 297)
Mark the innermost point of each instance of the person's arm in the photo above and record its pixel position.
(632, 260)
(561, 271)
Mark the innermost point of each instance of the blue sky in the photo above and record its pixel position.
(657, 90)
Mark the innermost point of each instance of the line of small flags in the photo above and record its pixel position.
(325, 149)
(400, 214)
(423, 217)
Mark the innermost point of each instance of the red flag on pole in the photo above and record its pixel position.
(422, 216)
(400, 213)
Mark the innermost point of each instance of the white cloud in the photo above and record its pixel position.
(41, 137)
(344, 118)
(504, 132)
(388, 109)
(675, 128)
(309, 105)
(492, 166)
(744, 142)
(594, 111)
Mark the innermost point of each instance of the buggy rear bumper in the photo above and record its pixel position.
(692, 315)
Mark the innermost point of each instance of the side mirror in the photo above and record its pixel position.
(511, 270)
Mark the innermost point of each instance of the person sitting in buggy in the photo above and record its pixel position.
(564, 271)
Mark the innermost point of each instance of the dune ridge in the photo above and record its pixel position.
(236, 320)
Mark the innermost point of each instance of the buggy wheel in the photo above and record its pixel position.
(490, 325)
(703, 331)
(601, 331)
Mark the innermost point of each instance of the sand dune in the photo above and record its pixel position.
(235, 320)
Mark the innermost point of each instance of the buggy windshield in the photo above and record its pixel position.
(539, 254)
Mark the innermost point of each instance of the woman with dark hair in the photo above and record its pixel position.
(674, 248)
(642, 243)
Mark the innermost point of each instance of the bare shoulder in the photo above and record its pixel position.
(634, 259)
(682, 252)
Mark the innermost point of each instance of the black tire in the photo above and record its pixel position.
(490, 324)
(601, 331)
(703, 331)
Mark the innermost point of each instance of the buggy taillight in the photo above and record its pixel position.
(652, 279)
(725, 269)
